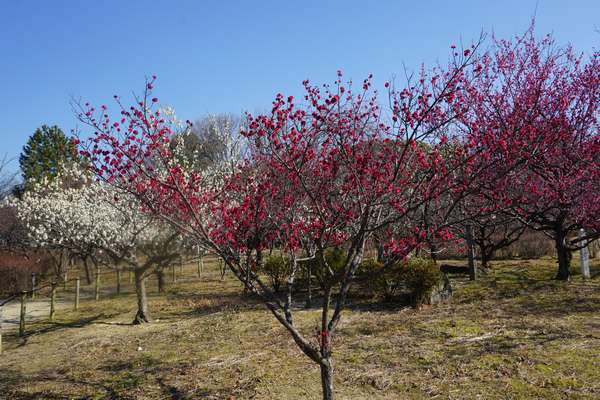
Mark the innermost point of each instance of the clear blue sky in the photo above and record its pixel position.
(231, 56)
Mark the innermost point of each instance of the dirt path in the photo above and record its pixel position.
(36, 309)
(39, 308)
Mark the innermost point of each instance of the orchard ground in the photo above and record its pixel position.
(514, 334)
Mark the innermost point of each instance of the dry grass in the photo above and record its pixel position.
(515, 334)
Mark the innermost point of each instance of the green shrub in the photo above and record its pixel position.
(367, 269)
(277, 268)
(335, 258)
(364, 275)
(377, 280)
(420, 276)
(416, 277)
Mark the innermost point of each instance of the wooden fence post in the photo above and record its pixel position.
(584, 257)
(53, 301)
(200, 264)
(471, 252)
(222, 268)
(0, 329)
(119, 281)
(309, 294)
(97, 289)
(77, 285)
(174, 278)
(33, 281)
(65, 280)
(22, 316)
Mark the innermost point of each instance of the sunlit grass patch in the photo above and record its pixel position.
(514, 333)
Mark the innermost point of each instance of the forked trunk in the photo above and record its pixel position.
(143, 315)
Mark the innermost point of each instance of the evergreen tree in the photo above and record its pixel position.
(45, 153)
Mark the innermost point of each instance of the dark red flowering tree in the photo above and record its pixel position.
(329, 171)
(534, 111)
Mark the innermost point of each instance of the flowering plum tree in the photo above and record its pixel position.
(211, 141)
(329, 172)
(534, 111)
(87, 217)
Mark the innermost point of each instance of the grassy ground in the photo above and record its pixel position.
(515, 334)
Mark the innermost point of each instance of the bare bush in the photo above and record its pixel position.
(531, 245)
(16, 270)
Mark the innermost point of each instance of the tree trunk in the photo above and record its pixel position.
(60, 264)
(486, 256)
(259, 260)
(380, 253)
(118, 281)
(143, 315)
(160, 277)
(564, 257)
(433, 251)
(53, 301)
(327, 380)
(471, 252)
(593, 248)
(97, 286)
(88, 272)
(247, 278)
(325, 348)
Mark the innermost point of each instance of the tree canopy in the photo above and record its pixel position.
(47, 151)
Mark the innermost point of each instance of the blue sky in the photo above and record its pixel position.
(232, 56)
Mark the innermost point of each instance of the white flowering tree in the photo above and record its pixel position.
(78, 213)
(213, 145)
(211, 149)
